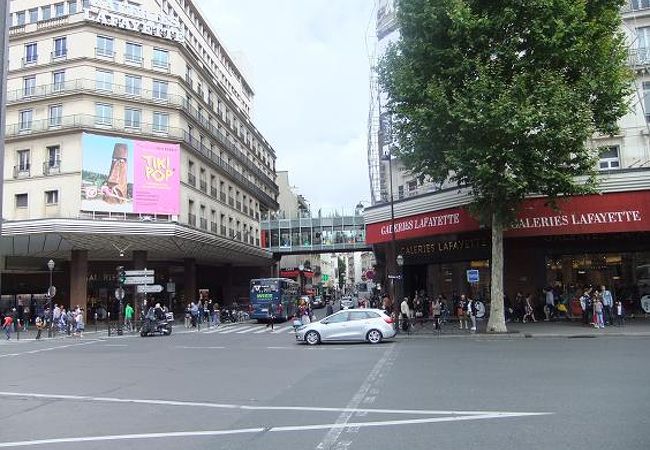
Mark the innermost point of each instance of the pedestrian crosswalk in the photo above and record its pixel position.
(245, 328)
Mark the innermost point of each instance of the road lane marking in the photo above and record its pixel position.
(198, 347)
(247, 330)
(116, 345)
(87, 398)
(283, 329)
(232, 330)
(278, 429)
(263, 330)
(49, 349)
(335, 431)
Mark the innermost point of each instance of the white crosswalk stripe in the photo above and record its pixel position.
(233, 329)
(246, 330)
(283, 329)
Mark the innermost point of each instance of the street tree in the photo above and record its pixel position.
(502, 97)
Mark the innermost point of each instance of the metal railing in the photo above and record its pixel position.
(22, 170)
(133, 59)
(87, 121)
(52, 167)
(82, 85)
(214, 228)
(191, 219)
(223, 230)
(639, 56)
(231, 201)
(104, 53)
(222, 196)
(204, 223)
(213, 191)
(191, 179)
(203, 186)
(238, 205)
(158, 64)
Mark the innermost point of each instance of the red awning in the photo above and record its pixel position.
(296, 274)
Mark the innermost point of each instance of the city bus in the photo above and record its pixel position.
(265, 291)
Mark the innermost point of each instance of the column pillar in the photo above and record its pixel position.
(189, 277)
(139, 259)
(79, 279)
(227, 285)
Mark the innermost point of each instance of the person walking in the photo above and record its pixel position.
(80, 322)
(270, 316)
(461, 312)
(188, 316)
(529, 312)
(8, 325)
(549, 309)
(40, 324)
(608, 305)
(436, 310)
(128, 317)
(598, 311)
(619, 313)
(471, 312)
(585, 302)
(405, 313)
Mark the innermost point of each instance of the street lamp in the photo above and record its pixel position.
(50, 295)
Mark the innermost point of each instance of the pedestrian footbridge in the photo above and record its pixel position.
(305, 235)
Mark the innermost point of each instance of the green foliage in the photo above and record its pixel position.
(503, 95)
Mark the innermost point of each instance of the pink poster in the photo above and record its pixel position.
(156, 187)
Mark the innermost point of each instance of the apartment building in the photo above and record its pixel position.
(129, 142)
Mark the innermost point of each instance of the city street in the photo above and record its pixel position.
(245, 387)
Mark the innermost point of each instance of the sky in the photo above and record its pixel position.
(307, 61)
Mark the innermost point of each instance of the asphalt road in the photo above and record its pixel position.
(249, 388)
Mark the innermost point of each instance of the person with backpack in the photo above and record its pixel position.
(471, 312)
(8, 324)
(128, 317)
(461, 312)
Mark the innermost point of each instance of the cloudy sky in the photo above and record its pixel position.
(308, 64)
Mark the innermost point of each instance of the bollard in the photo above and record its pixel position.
(18, 332)
(95, 323)
(108, 321)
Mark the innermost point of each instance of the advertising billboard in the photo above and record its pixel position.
(128, 175)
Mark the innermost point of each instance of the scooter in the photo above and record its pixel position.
(155, 326)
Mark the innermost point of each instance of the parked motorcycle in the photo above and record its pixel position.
(154, 324)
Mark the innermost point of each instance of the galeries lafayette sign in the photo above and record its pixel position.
(133, 18)
(608, 213)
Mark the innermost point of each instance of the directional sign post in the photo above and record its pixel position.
(119, 294)
(139, 273)
(149, 289)
(139, 280)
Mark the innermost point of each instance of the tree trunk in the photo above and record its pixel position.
(497, 321)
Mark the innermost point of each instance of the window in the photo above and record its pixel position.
(60, 48)
(33, 15)
(21, 200)
(58, 9)
(338, 318)
(72, 6)
(643, 45)
(639, 4)
(29, 86)
(609, 158)
(105, 46)
(133, 84)
(20, 18)
(51, 197)
(160, 58)
(103, 114)
(159, 90)
(53, 156)
(25, 119)
(55, 114)
(58, 81)
(133, 53)
(46, 12)
(400, 190)
(31, 54)
(23, 160)
(132, 118)
(104, 80)
(160, 122)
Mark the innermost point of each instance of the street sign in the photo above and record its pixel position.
(119, 293)
(149, 289)
(139, 273)
(394, 277)
(139, 280)
(472, 276)
(51, 291)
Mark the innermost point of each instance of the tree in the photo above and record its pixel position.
(502, 97)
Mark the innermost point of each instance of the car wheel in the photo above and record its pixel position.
(312, 338)
(374, 336)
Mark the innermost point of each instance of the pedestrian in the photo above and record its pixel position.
(20, 316)
(71, 322)
(194, 312)
(304, 313)
(128, 317)
(598, 311)
(40, 324)
(619, 313)
(471, 312)
(329, 310)
(529, 311)
(405, 313)
(8, 324)
(608, 304)
(436, 310)
(461, 312)
(188, 315)
(80, 324)
(56, 317)
(270, 316)
(549, 309)
(585, 302)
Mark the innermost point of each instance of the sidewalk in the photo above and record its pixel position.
(638, 327)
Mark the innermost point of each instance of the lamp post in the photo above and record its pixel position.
(50, 295)
(400, 263)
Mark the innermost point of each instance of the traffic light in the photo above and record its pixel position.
(121, 275)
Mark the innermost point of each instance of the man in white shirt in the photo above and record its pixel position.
(550, 304)
(405, 311)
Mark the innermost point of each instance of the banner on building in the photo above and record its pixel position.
(131, 176)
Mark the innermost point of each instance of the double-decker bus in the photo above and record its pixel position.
(273, 291)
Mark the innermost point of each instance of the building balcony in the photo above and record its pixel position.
(104, 53)
(214, 228)
(204, 223)
(52, 167)
(222, 196)
(203, 186)
(29, 61)
(191, 219)
(22, 171)
(238, 236)
(58, 56)
(231, 233)
(223, 230)
(231, 201)
(161, 65)
(238, 205)
(54, 22)
(133, 59)
(191, 179)
(245, 210)
(639, 57)
(213, 192)
(636, 6)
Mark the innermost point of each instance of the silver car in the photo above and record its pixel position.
(365, 325)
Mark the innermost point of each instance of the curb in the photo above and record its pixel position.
(517, 335)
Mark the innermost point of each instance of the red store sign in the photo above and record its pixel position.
(607, 213)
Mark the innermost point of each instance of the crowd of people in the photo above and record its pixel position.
(57, 319)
